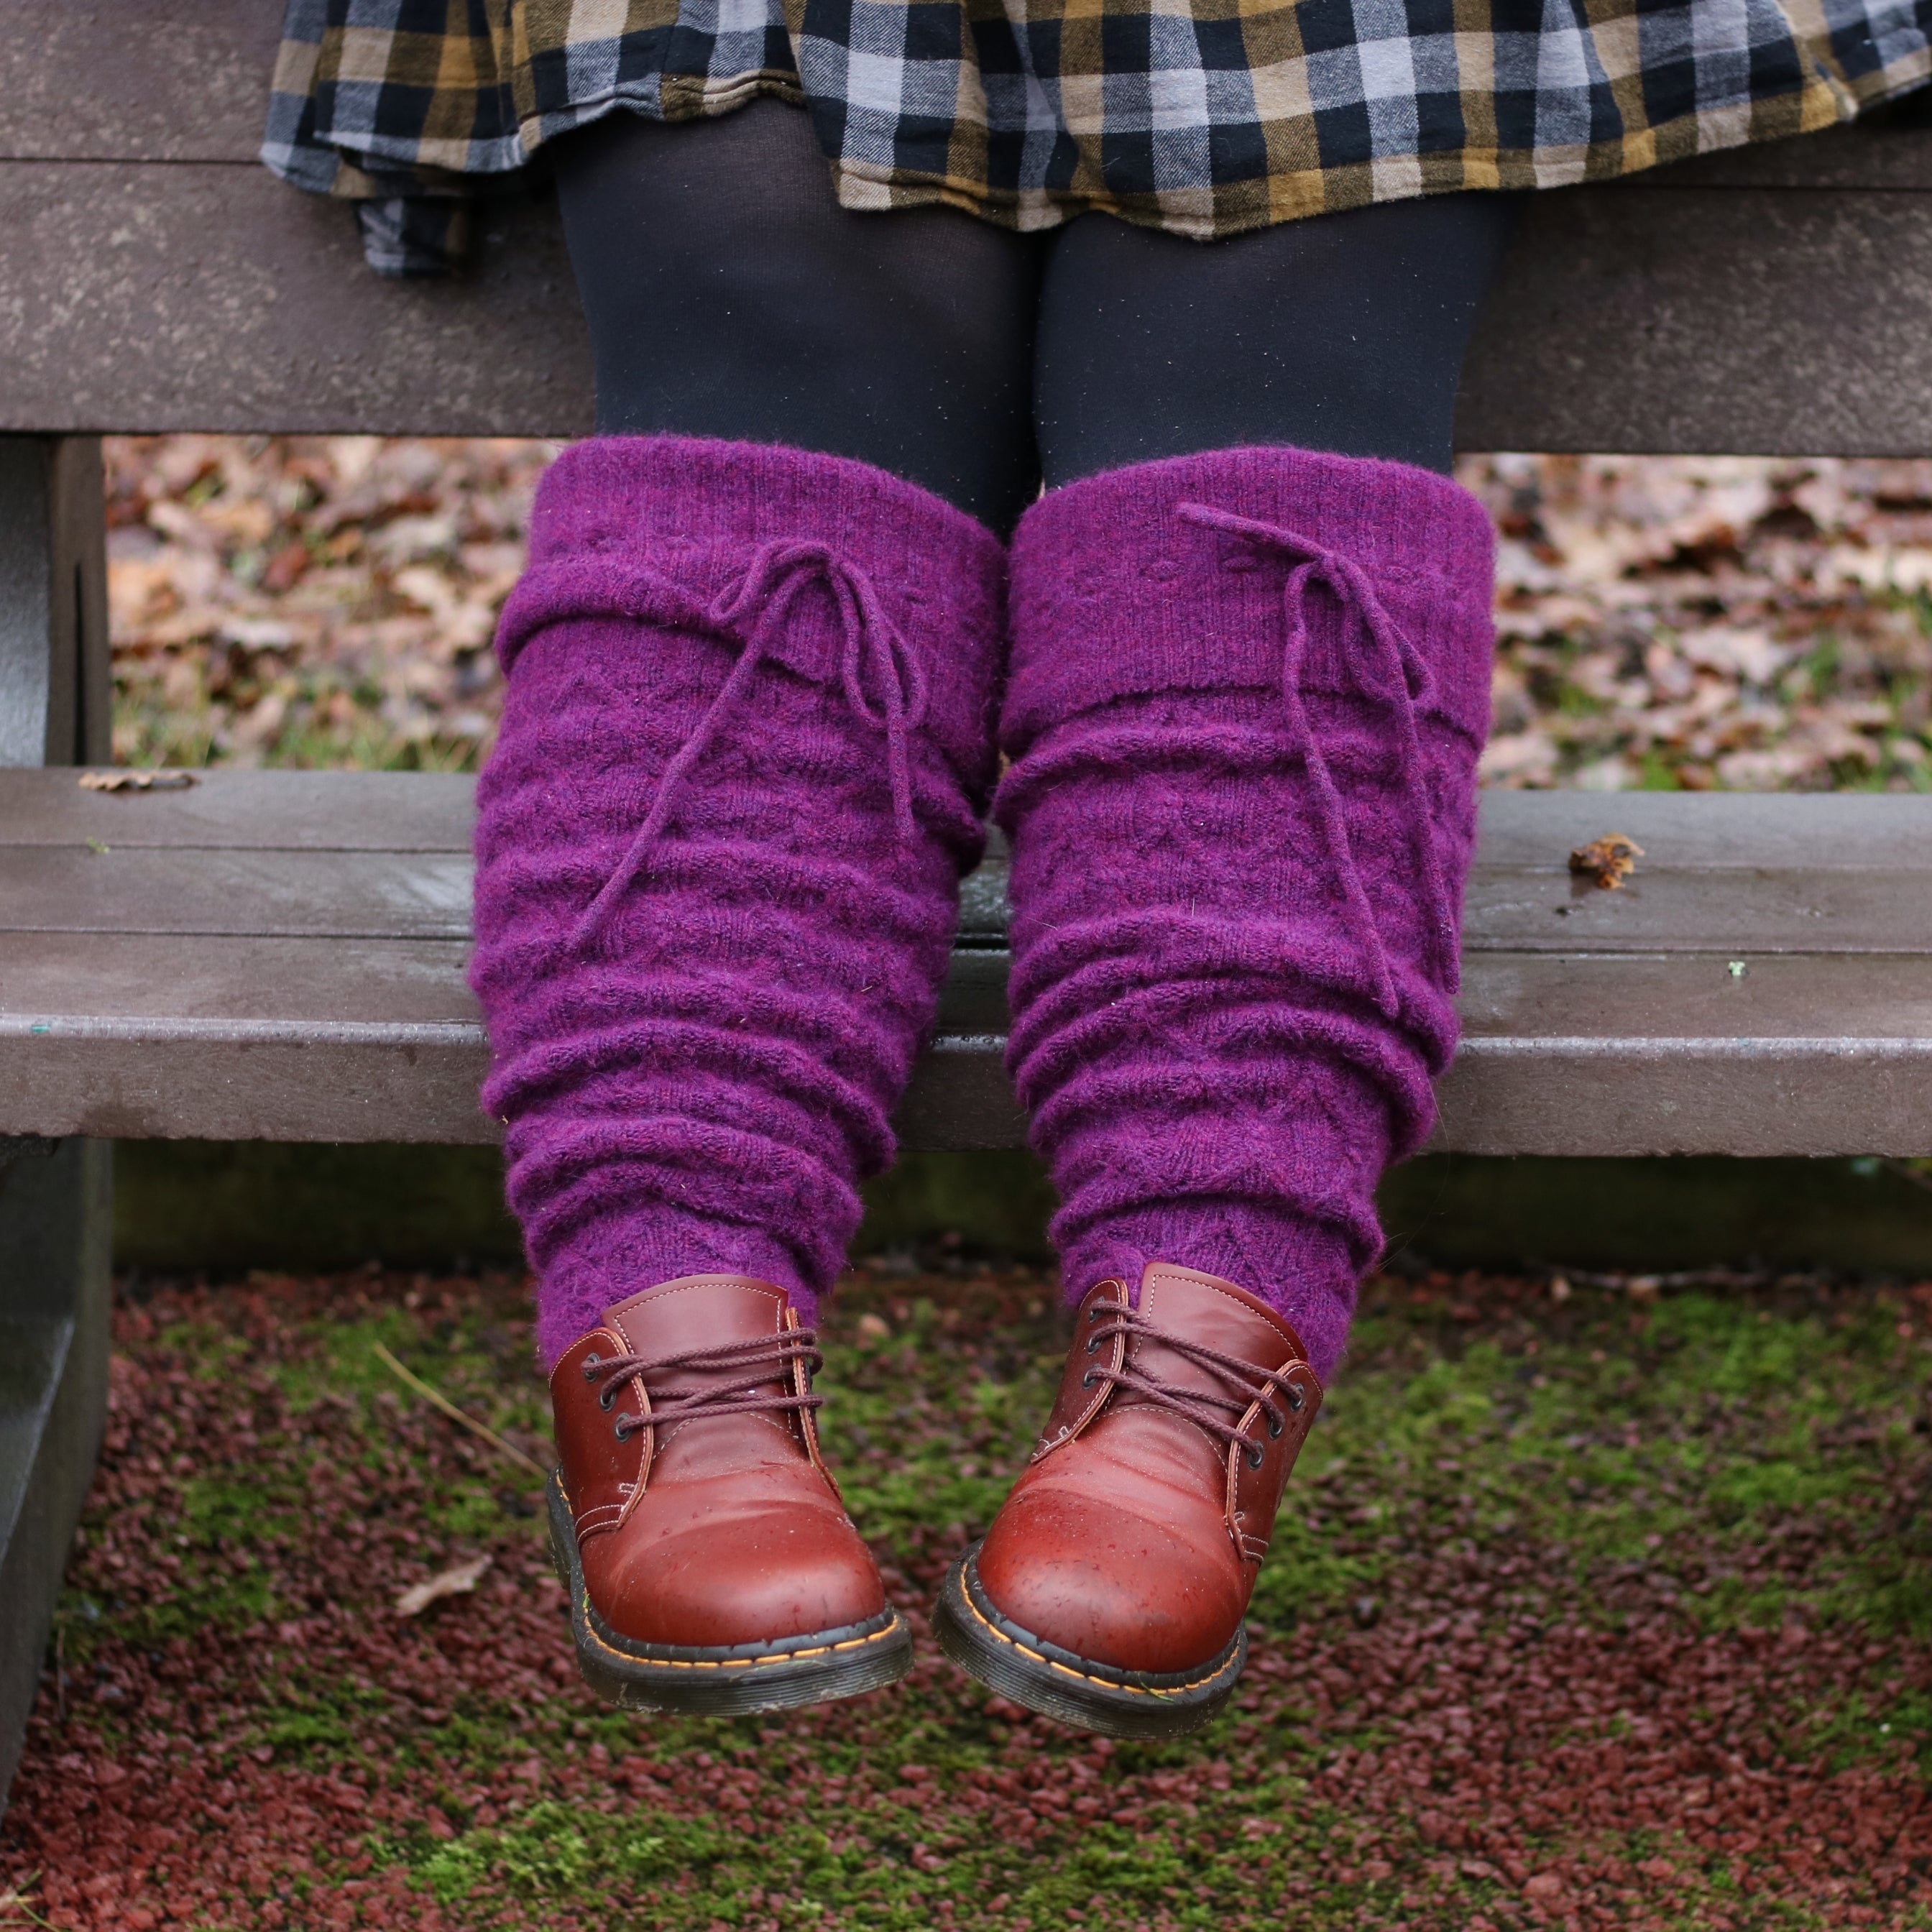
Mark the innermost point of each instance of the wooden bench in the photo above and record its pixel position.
(278, 955)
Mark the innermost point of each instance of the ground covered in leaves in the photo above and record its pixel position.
(1594, 1606)
(1750, 624)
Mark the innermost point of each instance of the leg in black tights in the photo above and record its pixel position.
(1345, 332)
(729, 295)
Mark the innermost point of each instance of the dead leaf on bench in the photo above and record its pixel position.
(1609, 860)
(136, 781)
(456, 1583)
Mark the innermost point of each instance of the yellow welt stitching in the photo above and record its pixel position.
(729, 1663)
(1132, 1689)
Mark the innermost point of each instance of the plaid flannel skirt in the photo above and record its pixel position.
(1202, 117)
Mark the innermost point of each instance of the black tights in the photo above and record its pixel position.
(729, 294)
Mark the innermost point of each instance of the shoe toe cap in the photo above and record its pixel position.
(734, 1575)
(1135, 1591)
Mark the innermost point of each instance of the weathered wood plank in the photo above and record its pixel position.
(192, 296)
(1691, 911)
(55, 687)
(186, 296)
(54, 1204)
(1668, 907)
(354, 894)
(55, 1220)
(1785, 831)
(247, 811)
(1581, 1055)
(247, 1080)
(1816, 1097)
(360, 983)
(207, 988)
(150, 80)
(385, 856)
(232, 985)
(1762, 321)
(1638, 1003)
(1597, 1022)
(232, 810)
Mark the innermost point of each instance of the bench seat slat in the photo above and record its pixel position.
(248, 811)
(165, 977)
(1750, 832)
(214, 988)
(1656, 1003)
(426, 896)
(180, 999)
(1762, 1086)
(351, 895)
(1721, 874)
(1773, 910)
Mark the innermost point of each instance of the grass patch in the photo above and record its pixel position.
(1611, 1610)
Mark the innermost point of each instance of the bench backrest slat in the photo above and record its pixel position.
(1768, 300)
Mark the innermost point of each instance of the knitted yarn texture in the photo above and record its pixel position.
(1247, 694)
(746, 747)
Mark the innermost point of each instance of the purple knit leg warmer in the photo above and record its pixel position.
(744, 751)
(1247, 693)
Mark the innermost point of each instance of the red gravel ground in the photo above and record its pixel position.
(1490, 1689)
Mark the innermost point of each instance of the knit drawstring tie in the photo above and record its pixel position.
(1352, 588)
(753, 612)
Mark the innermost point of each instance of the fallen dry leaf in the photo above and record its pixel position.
(136, 781)
(1746, 623)
(456, 1583)
(1609, 860)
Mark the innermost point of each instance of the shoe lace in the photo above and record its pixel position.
(873, 648)
(1350, 585)
(773, 1355)
(1204, 1407)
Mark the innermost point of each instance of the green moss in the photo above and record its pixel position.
(552, 1848)
(1756, 1460)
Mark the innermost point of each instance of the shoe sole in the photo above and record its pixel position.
(724, 1680)
(1075, 1691)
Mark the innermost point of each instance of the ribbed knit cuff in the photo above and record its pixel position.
(1184, 607)
(692, 510)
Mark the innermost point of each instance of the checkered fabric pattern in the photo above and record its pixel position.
(1202, 117)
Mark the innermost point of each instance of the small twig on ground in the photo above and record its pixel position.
(455, 1414)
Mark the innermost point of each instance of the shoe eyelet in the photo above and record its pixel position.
(622, 1434)
(1296, 1399)
(1093, 1343)
(609, 1396)
(591, 1364)
(1276, 1426)
(1086, 1380)
(1255, 1456)
(1094, 1313)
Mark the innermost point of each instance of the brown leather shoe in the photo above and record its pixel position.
(1112, 1592)
(710, 1563)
